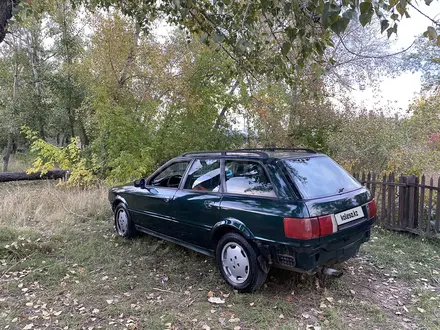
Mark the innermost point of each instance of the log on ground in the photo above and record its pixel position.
(23, 176)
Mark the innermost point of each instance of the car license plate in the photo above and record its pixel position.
(349, 215)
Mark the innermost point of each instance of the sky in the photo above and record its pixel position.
(395, 94)
(398, 92)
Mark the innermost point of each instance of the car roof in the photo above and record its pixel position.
(257, 153)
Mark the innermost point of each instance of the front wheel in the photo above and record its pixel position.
(238, 264)
(123, 224)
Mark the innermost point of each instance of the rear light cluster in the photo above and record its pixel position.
(309, 228)
(372, 210)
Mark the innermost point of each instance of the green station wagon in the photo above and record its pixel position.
(252, 209)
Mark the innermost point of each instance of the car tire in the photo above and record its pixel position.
(123, 224)
(238, 264)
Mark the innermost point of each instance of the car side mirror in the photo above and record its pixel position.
(139, 183)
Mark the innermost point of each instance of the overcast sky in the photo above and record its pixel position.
(400, 91)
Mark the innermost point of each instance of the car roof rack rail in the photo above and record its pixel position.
(281, 149)
(250, 152)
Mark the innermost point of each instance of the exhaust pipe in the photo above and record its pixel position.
(332, 272)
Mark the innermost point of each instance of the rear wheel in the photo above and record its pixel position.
(238, 264)
(123, 224)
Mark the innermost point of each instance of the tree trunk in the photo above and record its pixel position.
(5, 15)
(34, 58)
(7, 153)
(8, 149)
(226, 106)
(23, 176)
(130, 58)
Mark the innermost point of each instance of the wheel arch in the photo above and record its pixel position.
(118, 200)
(229, 225)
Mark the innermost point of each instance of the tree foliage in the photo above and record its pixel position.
(104, 98)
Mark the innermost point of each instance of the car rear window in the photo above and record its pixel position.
(320, 176)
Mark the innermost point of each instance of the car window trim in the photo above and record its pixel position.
(277, 196)
(164, 167)
(185, 177)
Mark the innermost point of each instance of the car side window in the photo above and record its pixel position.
(204, 175)
(247, 178)
(171, 175)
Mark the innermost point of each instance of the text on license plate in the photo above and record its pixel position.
(349, 215)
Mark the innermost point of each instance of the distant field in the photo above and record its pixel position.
(63, 267)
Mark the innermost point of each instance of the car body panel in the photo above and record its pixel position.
(196, 214)
(193, 218)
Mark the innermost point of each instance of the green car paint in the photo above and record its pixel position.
(197, 219)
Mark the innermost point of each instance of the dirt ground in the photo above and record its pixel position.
(63, 267)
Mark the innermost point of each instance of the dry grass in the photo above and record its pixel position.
(42, 206)
(19, 162)
(64, 268)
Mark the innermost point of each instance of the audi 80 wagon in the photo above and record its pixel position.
(251, 209)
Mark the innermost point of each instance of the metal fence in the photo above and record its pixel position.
(405, 203)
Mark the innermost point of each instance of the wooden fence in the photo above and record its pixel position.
(405, 203)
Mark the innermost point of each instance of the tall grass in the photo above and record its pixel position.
(43, 206)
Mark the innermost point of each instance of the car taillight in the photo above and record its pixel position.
(326, 225)
(372, 209)
(308, 228)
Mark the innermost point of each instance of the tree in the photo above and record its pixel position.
(269, 36)
(6, 8)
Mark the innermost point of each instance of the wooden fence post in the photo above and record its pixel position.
(412, 200)
(393, 200)
(428, 225)
(403, 206)
(437, 210)
(373, 186)
(422, 204)
(383, 202)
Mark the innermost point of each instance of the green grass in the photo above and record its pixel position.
(404, 256)
(66, 265)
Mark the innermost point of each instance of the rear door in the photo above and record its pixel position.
(250, 199)
(197, 202)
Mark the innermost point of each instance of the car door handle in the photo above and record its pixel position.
(209, 204)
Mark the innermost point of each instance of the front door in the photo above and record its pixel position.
(155, 202)
(197, 203)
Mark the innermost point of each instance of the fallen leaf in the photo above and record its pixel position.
(251, 304)
(109, 301)
(353, 292)
(305, 315)
(28, 326)
(57, 313)
(210, 294)
(329, 299)
(234, 320)
(281, 316)
(216, 300)
(206, 327)
(421, 310)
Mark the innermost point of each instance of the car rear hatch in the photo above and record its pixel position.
(338, 205)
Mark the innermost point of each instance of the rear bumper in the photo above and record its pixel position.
(334, 249)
